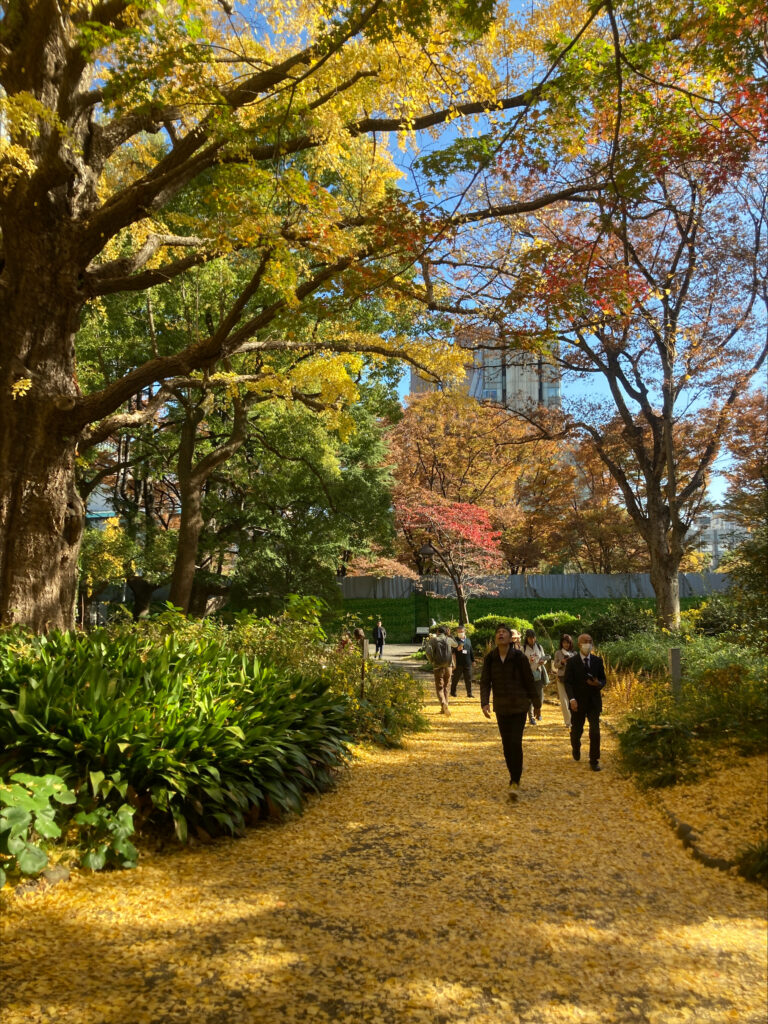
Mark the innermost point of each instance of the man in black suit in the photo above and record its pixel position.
(584, 679)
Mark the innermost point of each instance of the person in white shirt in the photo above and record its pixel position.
(562, 654)
(534, 652)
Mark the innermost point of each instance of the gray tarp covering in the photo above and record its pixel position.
(636, 584)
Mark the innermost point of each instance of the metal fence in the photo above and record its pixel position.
(571, 585)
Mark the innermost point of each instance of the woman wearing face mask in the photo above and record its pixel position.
(534, 652)
(562, 654)
(584, 679)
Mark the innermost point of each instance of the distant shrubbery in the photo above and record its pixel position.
(485, 629)
(550, 627)
(399, 614)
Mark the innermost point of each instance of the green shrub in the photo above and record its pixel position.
(753, 863)
(549, 628)
(28, 820)
(558, 622)
(722, 703)
(648, 653)
(715, 616)
(199, 733)
(384, 706)
(620, 619)
(106, 836)
(485, 629)
(657, 749)
(453, 625)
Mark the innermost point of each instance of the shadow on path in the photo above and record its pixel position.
(414, 892)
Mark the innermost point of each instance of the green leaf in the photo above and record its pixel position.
(96, 780)
(31, 860)
(94, 860)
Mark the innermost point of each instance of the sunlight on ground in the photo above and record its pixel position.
(414, 892)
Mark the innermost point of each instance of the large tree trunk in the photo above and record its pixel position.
(665, 565)
(192, 479)
(41, 523)
(190, 528)
(461, 598)
(41, 513)
(142, 591)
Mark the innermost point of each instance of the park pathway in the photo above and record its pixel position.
(413, 893)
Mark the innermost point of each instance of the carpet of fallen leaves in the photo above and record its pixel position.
(413, 893)
(728, 809)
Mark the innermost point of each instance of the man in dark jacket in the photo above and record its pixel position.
(584, 679)
(378, 636)
(464, 657)
(507, 672)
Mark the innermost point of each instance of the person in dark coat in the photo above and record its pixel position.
(584, 679)
(507, 673)
(464, 656)
(378, 637)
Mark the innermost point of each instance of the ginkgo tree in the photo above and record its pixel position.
(270, 124)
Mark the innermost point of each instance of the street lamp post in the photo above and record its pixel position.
(426, 552)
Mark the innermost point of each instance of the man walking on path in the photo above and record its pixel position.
(439, 649)
(379, 636)
(507, 672)
(584, 679)
(464, 659)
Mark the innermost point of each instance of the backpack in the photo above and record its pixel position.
(439, 651)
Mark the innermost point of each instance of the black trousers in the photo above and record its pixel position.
(591, 715)
(462, 668)
(379, 648)
(511, 729)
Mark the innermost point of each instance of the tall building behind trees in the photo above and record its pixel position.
(511, 378)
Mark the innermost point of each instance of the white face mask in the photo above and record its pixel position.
(585, 648)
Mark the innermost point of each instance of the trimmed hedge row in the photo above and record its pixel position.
(399, 614)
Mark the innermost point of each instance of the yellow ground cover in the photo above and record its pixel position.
(414, 892)
(727, 809)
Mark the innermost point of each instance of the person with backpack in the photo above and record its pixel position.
(507, 674)
(439, 650)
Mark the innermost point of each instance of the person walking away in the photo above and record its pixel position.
(562, 654)
(439, 649)
(534, 652)
(584, 679)
(464, 658)
(379, 636)
(507, 674)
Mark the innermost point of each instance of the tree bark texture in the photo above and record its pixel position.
(41, 513)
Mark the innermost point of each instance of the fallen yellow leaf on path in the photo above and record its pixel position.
(414, 892)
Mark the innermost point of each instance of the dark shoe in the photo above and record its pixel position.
(576, 754)
(453, 693)
(532, 721)
(595, 766)
(469, 696)
(514, 791)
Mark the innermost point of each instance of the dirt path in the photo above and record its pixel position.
(415, 892)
